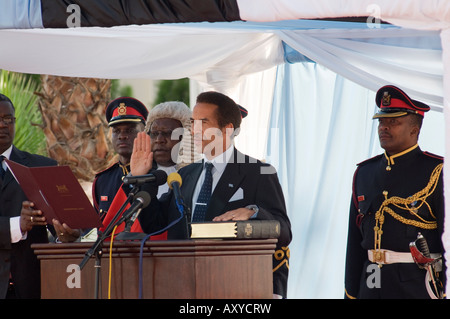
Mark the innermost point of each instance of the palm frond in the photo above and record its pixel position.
(21, 88)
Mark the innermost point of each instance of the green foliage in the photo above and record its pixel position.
(173, 90)
(117, 90)
(20, 89)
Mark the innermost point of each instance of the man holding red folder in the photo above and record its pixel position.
(20, 225)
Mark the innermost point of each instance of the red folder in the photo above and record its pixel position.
(57, 193)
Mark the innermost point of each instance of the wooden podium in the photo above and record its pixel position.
(184, 269)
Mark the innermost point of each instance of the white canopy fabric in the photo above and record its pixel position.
(231, 57)
(418, 14)
(150, 51)
(373, 57)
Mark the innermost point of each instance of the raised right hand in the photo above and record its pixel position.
(142, 157)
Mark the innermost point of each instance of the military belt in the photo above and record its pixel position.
(384, 256)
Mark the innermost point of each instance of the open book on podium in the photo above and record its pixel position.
(57, 193)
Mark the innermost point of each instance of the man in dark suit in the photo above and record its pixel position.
(20, 224)
(242, 187)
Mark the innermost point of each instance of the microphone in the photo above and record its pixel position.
(174, 182)
(141, 200)
(158, 176)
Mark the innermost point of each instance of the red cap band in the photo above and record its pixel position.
(400, 104)
(122, 110)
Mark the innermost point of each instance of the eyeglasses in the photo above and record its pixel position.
(164, 134)
(8, 120)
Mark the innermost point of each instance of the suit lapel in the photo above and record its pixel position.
(18, 157)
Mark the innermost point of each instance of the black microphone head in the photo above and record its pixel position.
(145, 198)
(161, 177)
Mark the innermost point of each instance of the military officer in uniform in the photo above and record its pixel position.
(396, 196)
(126, 116)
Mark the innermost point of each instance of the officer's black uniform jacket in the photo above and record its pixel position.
(105, 186)
(402, 175)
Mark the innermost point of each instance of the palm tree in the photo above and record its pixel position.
(20, 89)
(74, 124)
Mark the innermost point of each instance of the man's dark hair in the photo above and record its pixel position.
(4, 98)
(227, 109)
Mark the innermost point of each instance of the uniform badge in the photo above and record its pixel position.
(122, 109)
(361, 198)
(104, 198)
(386, 101)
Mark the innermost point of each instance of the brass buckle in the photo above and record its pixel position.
(379, 256)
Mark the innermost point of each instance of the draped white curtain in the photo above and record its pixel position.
(407, 58)
(320, 127)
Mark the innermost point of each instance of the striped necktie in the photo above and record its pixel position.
(205, 194)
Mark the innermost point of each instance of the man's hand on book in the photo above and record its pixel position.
(65, 233)
(235, 214)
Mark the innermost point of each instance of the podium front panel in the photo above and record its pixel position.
(183, 269)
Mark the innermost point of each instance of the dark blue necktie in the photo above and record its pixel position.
(205, 194)
(2, 171)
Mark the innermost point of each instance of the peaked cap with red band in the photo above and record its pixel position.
(393, 102)
(126, 109)
(243, 110)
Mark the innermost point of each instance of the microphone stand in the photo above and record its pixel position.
(186, 212)
(187, 216)
(126, 234)
(96, 248)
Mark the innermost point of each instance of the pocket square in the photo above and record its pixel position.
(238, 195)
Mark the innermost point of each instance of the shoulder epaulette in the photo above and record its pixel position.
(106, 169)
(433, 155)
(377, 157)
